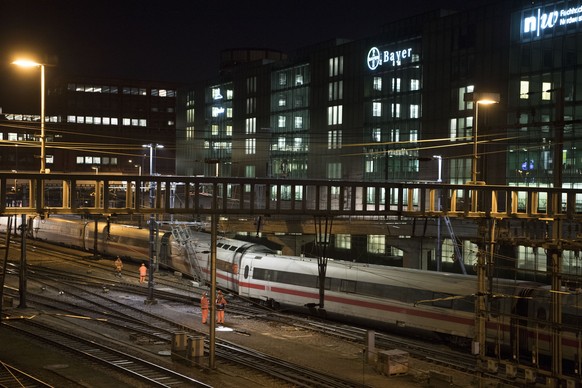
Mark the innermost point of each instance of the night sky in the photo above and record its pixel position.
(175, 40)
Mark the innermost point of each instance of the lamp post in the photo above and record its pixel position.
(478, 99)
(480, 339)
(29, 63)
(150, 299)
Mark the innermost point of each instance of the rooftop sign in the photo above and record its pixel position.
(537, 22)
(377, 57)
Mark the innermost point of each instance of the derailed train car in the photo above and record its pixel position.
(432, 302)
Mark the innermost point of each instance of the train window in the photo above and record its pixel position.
(348, 286)
(225, 246)
(247, 269)
(232, 248)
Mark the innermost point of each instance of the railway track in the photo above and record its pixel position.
(136, 368)
(12, 377)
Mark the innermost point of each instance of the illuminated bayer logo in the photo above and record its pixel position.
(374, 58)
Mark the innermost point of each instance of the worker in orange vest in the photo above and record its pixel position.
(143, 271)
(204, 306)
(118, 266)
(220, 305)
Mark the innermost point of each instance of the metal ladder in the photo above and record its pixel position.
(183, 235)
(458, 253)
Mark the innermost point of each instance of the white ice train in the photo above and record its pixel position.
(381, 296)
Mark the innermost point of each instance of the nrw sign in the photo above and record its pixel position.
(537, 22)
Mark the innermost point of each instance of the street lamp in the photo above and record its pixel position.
(29, 63)
(478, 99)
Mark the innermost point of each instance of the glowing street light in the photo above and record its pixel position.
(29, 63)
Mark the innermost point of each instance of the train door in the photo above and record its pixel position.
(245, 275)
(519, 333)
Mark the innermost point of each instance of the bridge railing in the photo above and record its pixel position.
(128, 194)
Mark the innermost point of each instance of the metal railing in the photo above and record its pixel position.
(130, 194)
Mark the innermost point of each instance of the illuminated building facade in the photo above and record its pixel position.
(96, 125)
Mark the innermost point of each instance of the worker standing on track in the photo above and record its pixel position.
(204, 306)
(143, 271)
(220, 305)
(118, 266)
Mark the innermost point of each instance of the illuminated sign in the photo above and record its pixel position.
(377, 58)
(538, 21)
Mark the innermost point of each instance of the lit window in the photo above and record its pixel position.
(250, 146)
(229, 112)
(396, 84)
(281, 122)
(524, 90)
(546, 93)
(114, 121)
(414, 84)
(377, 109)
(229, 94)
(298, 122)
(377, 243)
(88, 160)
(96, 160)
(376, 134)
(395, 110)
(414, 111)
(343, 241)
(229, 130)
(378, 83)
(80, 160)
(334, 139)
(299, 79)
(251, 125)
(214, 130)
(335, 115)
(126, 121)
(216, 94)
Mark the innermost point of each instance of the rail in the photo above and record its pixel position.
(130, 194)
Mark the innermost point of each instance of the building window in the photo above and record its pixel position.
(376, 134)
(251, 105)
(281, 121)
(396, 84)
(334, 139)
(229, 130)
(343, 241)
(298, 122)
(336, 66)
(370, 165)
(334, 171)
(250, 146)
(216, 95)
(394, 135)
(377, 83)
(335, 115)
(395, 110)
(462, 91)
(377, 109)
(414, 111)
(282, 101)
(251, 125)
(414, 84)
(251, 85)
(524, 90)
(214, 129)
(298, 79)
(282, 79)
(413, 135)
(377, 243)
(336, 90)
(546, 91)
